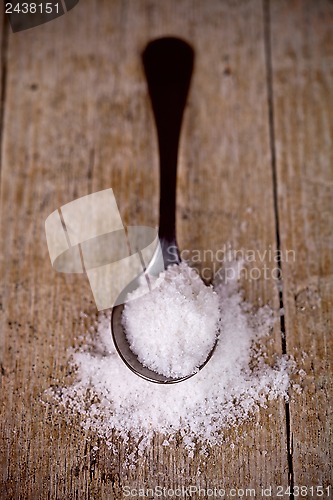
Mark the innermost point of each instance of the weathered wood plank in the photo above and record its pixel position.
(3, 39)
(78, 120)
(302, 57)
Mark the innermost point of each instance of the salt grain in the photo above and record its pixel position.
(227, 391)
(173, 328)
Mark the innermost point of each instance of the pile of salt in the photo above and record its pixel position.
(173, 328)
(232, 386)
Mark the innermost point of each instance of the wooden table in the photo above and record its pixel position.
(255, 171)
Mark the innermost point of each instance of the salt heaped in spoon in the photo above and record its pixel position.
(173, 328)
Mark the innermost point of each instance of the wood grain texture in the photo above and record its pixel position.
(302, 57)
(3, 47)
(77, 120)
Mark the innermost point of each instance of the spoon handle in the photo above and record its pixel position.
(168, 65)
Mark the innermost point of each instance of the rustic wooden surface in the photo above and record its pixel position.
(302, 63)
(255, 171)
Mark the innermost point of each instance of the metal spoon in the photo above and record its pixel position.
(168, 65)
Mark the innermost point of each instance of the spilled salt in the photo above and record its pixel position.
(173, 328)
(109, 398)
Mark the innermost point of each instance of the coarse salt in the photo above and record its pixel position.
(173, 328)
(228, 390)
